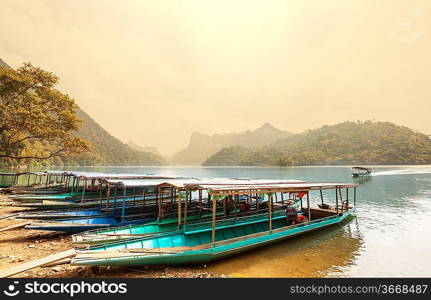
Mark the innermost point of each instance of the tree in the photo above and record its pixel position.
(37, 121)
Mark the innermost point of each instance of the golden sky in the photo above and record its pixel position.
(155, 71)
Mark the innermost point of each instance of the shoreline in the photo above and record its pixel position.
(19, 246)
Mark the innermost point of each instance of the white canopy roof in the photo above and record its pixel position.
(95, 175)
(226, 185)
(184, 182)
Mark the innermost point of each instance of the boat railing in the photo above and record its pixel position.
(231, 220)
(281, 229)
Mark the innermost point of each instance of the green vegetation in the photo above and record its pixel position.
(36, 119)
(40, 126)
(346, 143)
(107, 149)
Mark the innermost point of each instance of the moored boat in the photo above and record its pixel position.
(361, 171)
(205, 242)
(194, 208)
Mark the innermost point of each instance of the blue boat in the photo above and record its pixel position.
(79, 225)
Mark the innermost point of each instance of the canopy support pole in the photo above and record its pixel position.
(347, 199)
(134, 196)
(179, 209)
(200, 203)
(83, 190)
(115, 200)
(270, 212)
(123, 210)
(159, 202)
(354, 196)
(308, 205)
(107, 197)
(341, 199)
(185, 208)
(235, 204)
(100, 193)
(224, 206)
(144, 192)
(213, 233)
(257, 202)
(336, 199)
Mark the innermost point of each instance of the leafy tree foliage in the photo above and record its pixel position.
(36, 119)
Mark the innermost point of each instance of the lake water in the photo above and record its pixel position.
(388, 237)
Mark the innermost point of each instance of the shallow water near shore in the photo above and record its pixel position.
(388, 237)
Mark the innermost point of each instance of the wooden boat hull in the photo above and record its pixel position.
(60, 214)
(132, 232)
(26, 198)
(196, 255)
(76, 226)
(69, 204)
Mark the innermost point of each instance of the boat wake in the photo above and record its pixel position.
(402, 172)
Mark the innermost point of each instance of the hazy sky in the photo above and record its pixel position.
(155, 71)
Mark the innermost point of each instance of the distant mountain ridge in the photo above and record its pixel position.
(202, 146)
(366, 142)
(150, 149)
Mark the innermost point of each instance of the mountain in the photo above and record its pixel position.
(150, 149)
(345, 143)
(3, 64)
(202, 146)
(108, 150)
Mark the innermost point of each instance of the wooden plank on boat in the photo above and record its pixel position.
(14, 226)
(89, 254)
(166, 250)
(38, 263)
(58, 262)
(9, 216)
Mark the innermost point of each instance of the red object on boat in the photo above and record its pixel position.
(301, 194)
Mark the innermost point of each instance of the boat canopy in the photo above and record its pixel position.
(95, 175)
(195, 183)
(226, 186)
(272, 188)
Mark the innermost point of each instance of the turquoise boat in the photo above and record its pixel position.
(55, 197)
(208, 241)
(116, 234)
(195, 209)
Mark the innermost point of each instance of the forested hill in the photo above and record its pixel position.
(346, 143)
(107, 150)
(3, 64)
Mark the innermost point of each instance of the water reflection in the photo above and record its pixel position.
(361, 180)
(317, 254)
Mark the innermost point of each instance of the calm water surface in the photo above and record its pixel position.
(390, 235)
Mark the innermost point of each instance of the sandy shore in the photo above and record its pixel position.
(18, 246)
